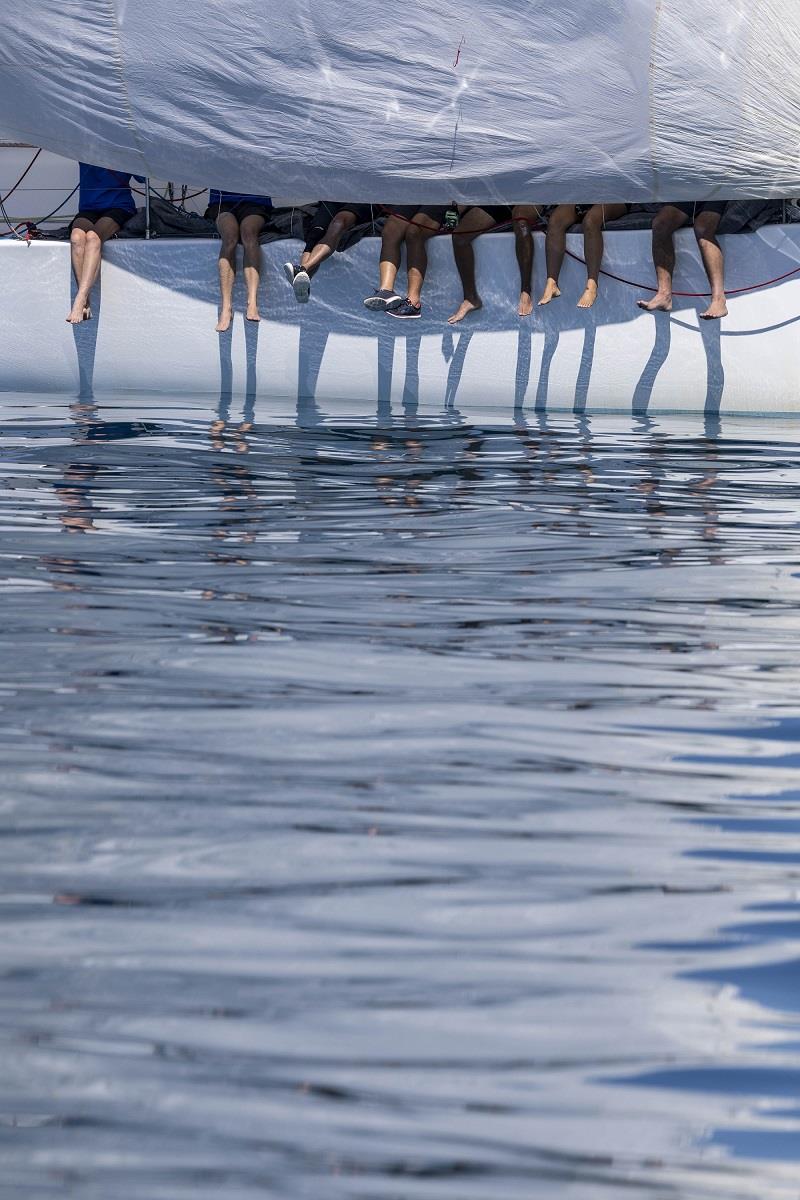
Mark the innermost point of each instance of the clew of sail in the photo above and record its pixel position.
(492, 100)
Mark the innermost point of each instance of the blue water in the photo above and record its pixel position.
(397, 810)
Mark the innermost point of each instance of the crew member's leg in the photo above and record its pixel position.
(392, 238)
(474, 222)
(667, 221)
(87, 251)
(228, 228)
(555, 246)
(249, 231)
(312, 260)
(525, 216)
(593, 224)
(706, 224)
(419, 231)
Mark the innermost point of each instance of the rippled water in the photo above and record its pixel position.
(397, 810)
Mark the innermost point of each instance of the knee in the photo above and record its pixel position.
(92, 238)
(251, 243)
(77, 237)
(593, 221)
(337, 228)
(663, 228)
(705, 230)
(228, 245)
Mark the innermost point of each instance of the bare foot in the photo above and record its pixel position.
(225, 318)
(551, 292)
(525, 304)
(463, 310)
(252, 313)
(661, 302)
(77, 313)
(589, 296)
(716, 309)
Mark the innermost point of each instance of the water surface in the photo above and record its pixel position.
(397, 808)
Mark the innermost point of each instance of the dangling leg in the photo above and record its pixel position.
(705, 229)
(249, 230)
(312, 260)
(593, 224)
(555, 246)
(525, 216)
(474, 222)
(419, 231)
(228, 228)
(666, 222)
(94, 236)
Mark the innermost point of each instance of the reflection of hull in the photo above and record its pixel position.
(154, 331)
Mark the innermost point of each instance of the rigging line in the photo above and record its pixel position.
(39, 220)
(22, 176)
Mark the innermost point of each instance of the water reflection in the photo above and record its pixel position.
(396, 806)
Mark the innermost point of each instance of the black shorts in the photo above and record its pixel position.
(316, 226)
(120, 215)
(240, 209)
(500, 213)
(693, 208)
(582, 209)
(406, 211)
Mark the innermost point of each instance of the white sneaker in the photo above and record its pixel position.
(301, 285)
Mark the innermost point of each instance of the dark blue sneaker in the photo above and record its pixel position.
(383, 300)
(406, 310)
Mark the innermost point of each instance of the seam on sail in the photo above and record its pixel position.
(651, 95)
(120, 64)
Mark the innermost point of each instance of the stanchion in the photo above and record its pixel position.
(147, 207)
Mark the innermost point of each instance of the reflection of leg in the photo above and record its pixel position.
(228, 228)
(474, 222)
(715, 372)
(250, 229)
(705, 229)
(523, 372)
(593, 224)
(660, 352)
(667, 221)
(555, 246)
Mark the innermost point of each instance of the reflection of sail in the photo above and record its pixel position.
(642, 99)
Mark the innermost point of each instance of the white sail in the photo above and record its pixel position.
(475, 100)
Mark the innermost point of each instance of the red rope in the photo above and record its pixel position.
(648, 287)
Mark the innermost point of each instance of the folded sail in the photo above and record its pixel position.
(481, 100)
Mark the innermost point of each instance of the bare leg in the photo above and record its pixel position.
(555, 247)
(94, 236)
(417, 235)
(474, 222)
(228, 228)
(664, 226)
(705, 229)
(312, 260)
(249, 230)
(593, 224)
(525, 216)
(394, 232)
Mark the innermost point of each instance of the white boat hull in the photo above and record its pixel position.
(153, 331)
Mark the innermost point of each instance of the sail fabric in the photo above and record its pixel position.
(485, 100)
